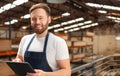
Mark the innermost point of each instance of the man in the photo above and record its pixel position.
(47, 53)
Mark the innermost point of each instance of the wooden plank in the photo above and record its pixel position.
(5, 70)
(8, 53)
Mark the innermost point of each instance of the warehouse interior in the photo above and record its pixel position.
(91, 29)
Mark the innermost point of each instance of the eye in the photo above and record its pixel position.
(33, 19)
(41, 18)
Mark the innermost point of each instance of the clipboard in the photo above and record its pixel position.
(20, 68)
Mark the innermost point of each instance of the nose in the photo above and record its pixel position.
(37, 21)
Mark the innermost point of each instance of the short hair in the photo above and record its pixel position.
(41, 5)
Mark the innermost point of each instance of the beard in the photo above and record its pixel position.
(40, 31)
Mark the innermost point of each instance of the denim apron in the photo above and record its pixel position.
(38, 60)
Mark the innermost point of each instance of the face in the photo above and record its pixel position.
(40, 20)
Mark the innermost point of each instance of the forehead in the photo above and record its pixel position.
(38, 12)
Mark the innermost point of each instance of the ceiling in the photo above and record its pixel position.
(90, 15)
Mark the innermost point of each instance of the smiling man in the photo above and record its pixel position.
(47, 53)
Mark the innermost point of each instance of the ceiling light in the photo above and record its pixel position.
(7, 23)
(71, 21)
(57, 25)
(118, 18)
(12, 5)
(80, 24)
(90, 25)
(11, 22)
(75, 29)
(64, 23)
(103, 6)
(117, 37)
(87, 22)
(56, 17)
(79, 19)
(26, 16)
(94, 24)
(55, 30)
(65, 31)
(68, 22)
(1, 10)
(56, 1)
(77, 5)
(71, 30)
(65, 14)
(117, 21)
(6, 7)
(19, 2)
(111, 17)
(86, 26)
(24, 27)
(50, 27)
(94, 5)
(66, 28)
(60, 29)
(102, 11)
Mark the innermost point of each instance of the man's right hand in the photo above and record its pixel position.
(18, 59)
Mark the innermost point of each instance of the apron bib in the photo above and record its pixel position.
(38, 60)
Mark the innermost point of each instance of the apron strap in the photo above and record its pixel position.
(45, 43)
(30, 43)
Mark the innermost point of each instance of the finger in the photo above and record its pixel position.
(30, 74)
(37, 70)
(17, 60)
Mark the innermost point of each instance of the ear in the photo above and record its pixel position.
(49, 19)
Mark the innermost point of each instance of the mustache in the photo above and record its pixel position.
(37, 24)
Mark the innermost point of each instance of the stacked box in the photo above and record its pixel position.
(5, 45)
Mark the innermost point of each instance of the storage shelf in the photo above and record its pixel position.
(79, 46)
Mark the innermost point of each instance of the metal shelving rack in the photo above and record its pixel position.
(99, 67)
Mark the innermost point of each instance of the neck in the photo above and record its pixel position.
(42, 34)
